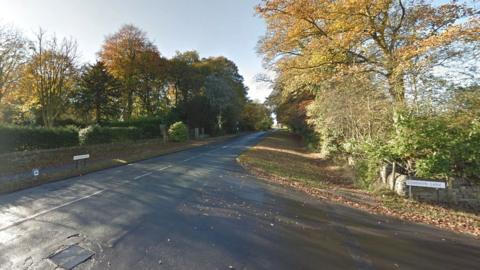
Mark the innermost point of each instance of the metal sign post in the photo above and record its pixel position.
(163, 130)
(81, 157)
(427, 184)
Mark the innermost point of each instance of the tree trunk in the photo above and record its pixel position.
(97, 106)
(97, 113)
(129, 105)
(47, 118)
(397, 89)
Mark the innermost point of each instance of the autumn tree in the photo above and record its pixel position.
(291, 110)
(256, 116)
(97, 95)
(13, 52)
(124, 54)
(374, 79)
(332, 39)
(49, 76)
(351, 110)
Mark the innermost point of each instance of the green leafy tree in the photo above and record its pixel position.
(98, 94)
(256, 116)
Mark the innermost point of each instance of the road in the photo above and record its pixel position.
(198, 209)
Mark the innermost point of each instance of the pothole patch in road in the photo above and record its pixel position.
(71, 256)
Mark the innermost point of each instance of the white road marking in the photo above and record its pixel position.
(190, 158)
(143, 175)
(20, 221)
(164, 168)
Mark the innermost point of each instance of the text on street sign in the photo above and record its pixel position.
(423, 183)
(79, 157)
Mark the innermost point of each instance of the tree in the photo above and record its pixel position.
(13, 53)
(220, 97)
(152, 79)
(225, 91)
(373, 79)
(211, 86)
(351, 110)
(464, 106)
(184, 77)
(49, 76)
(290, 108)
(333, 39)
(123, 54)
(98, 93)
(256, 116)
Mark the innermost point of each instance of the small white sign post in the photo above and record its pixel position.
(427, 184)
(35, 172)
(81, 157)
(163, 130)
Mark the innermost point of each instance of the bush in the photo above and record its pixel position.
(310, 138)
(370, 156)
(178, 132)
(97, 135)
(431, 147)
(149, 127)
(69, 122)
(18, 138)
(438, 147)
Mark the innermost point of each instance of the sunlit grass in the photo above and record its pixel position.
(284, 155)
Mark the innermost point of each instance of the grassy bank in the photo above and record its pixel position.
(282, 158)
(56, 164)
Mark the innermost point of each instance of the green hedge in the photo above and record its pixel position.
(149, 127)
(434, 147)
(17, 138)
(178, 132)
(98, 135)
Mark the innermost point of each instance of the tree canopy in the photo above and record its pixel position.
(361, 78)
(43, 83)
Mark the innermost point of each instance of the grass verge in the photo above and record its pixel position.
(282, 158)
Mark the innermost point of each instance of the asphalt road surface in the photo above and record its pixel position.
(198, 209)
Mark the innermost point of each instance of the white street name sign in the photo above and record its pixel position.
(79, 157)
(428, 184)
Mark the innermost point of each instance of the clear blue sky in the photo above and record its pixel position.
(213, 27)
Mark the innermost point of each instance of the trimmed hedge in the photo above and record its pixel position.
(149, 127)
(97, 135)
(19, 138)
(178, 132)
